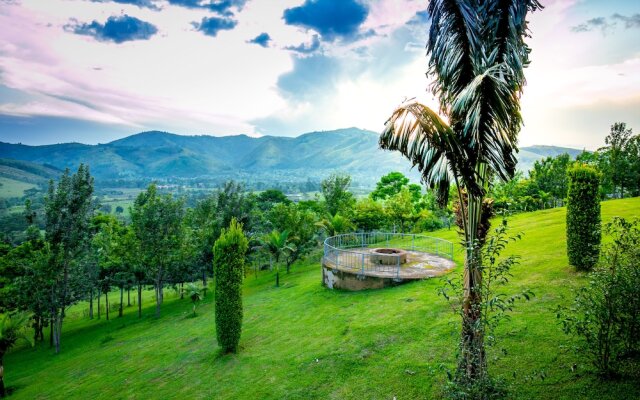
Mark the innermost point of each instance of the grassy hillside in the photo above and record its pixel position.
(302, 341)
(13, 188)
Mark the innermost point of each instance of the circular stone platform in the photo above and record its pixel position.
(356, 269)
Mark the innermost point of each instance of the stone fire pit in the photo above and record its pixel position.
(388, 256)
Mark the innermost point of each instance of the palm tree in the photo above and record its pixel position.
(335, 225)
(477, 55)
(276, 243)
(194, 293)
(12, 329)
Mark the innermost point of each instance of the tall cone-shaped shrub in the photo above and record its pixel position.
(228, 264)
(583, 217)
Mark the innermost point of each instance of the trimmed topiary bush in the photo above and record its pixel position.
(228, 264)
(583, 217)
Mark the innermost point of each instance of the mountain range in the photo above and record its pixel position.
(311, 156)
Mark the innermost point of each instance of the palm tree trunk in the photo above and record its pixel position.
(472, 361)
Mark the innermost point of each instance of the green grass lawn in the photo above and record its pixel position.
(302, 341)
(13, 188)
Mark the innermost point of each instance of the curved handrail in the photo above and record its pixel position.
(338, 250)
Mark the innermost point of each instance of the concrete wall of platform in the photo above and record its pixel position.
(336, 279)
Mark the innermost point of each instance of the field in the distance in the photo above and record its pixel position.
(13, 188)
(302, 341)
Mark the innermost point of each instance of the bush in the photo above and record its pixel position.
(583, 217)
(605, 315)
(228, 264)
(427, 221)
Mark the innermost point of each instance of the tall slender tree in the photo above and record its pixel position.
(476, 54)
(157, 223)
(68, 209)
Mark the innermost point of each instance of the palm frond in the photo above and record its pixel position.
(454, 38)
(491, 111)
(506, 30)
(427, 141)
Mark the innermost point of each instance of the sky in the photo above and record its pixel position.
(92, 71)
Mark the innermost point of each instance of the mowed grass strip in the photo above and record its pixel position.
(302, 341)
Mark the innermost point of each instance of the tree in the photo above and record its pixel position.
(228, 262)
(301, 227)
(618, 154)
(369, 215)
(550, 176)
(388, 185)
(68, 210)
(337, 197)
(267, 199)
(157, 223)
(277, 244)
(477, 55)
(194, 293)
(583, 217)
(335, 225)
(399, 208)
(12, 329)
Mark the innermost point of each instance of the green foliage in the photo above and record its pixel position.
(605, 315)
(389, 185)
(228, 263)
(428, 221)
(68, 210)
(335, 225)
(157, 224)
(278, 245)
(550, 176)
(399, 209)
(12, 329)
(301, 227)
(369, 215)
(194, 293)
(267, 199)
(396, 339)
(335, 190)
(583, 217)
(620, 158)
(491, 308)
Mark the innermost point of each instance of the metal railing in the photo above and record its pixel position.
(342, 251)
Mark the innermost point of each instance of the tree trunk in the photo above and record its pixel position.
(2, 390)
(57, 330)
(121, 301)
(204, 277)
(99, 295)
(158, 298)
(181, 290)
(91, 303)
(139, 299)
(106, 303)
(472, 360)
(129, 296)
(51, 330)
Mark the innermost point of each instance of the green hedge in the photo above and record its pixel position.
(228, 264)
(583, 217)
